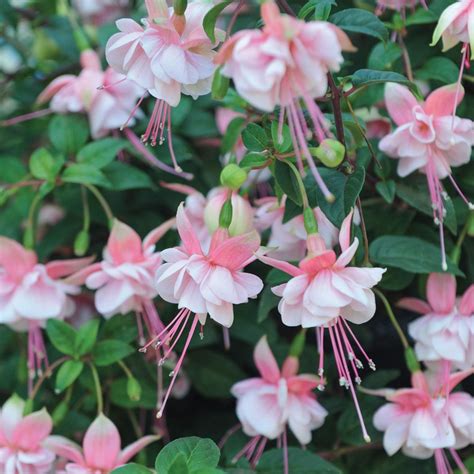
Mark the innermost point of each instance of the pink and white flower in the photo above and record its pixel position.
(422, 421)
(325, 293)
(429, 138)
(288, 240)
(204, 283)
(101, 451)
(171, 55)
(98, 12)
(22, 439)
(31, 293)
(266, 405)
(278, 66)
(106, 96)
(446, 329)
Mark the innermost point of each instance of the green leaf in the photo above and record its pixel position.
(410, 254)
(210, 19)
(110, 351)
(213, 374)
(387, 190)
(86, 337)
(356, 20)
(199, 454)
(254, 137)
(421, 17)
(124, 176)
(384, 55)
(85, 174)
(232, 134)
(68, 133)
(62, 336)
(101, 152)
(288, 182)
(367, 77)
(131, 469)
(253, 160)
(439, 69)
(179, 466)
(286, 141)
(68, 374)
(44, 165)
(299, 461)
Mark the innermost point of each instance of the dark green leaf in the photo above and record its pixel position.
(254, 137)
(110, 351)
(68, 133)
(366, 77)
(384, 55)
(84, 174)
(209, 22)
(387, 190)
(439, 69)
(131, 469)
(68, 374)
(62, 336)
(124, 176)
(101, 152)
(356, 20)
(232, 134)
(253, 160)
(86, 337)
(285, 138)
(287, 180)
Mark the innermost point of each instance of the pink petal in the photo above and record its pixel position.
(179, 188)
(441, 292)
(281, 265)
(455, 379)
(135, 448)
(290, 367)
(102, 444)
(81, 276)
(414, 304)
(441, 101)
(466, 306)
(90, 60)
(186, 232)
(265, 361)
(448, 16)
(315, 264)
(15, 259)
(32, 430)
(345, 232)
(302, 383)
(400, 103)
(153, 236)
(61, 268)
(54, 87)
(124, 244)
(10, 415)
(64, 448)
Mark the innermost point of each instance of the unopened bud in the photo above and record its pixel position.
(225, 216)
(297, 346)
(310, 223)
(331, 152)
(220, 85)
(233, 177)
(411, 360)
(180, 6)
(29, 238)
(81, 243)
(134, 389)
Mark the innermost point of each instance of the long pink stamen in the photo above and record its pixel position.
(168, 329)
(176, 370)
(441, 463)
(25, 117)
(296, 147)
(249, 447)
(133, 112)
(108, 86)
(370, 362)
(286, 469)
(461, 194)
(170, 143)
(458, 84)
(320, 338)
(259, 452)
(170, 349)
(458, 461)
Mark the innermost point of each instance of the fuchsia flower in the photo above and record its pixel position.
(101, 451)
(22, 439)
(267, 404)
(107, 97)
(203, 283)
(422, 421)
(171, 55)
(446, 329)
(429, 138)
(288, 240)
(279, 65)
(31, 293)
(324, 292)
(98, 12)
(455, 26)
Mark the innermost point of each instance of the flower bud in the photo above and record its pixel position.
(220, 85)
(242, 212)
(297, 346)
(411, 360)
(233, 177)
(134, 389)
(180, 6)
(330, 152)
(29, 238)
(81, 243)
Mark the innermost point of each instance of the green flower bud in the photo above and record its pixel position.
(411, 360)
(134, 389)
(225, 216)
(233, 177)
(180, 6)
(29, 238)
(81, 243)
(331, 152)
(297, 346)
(220, 85)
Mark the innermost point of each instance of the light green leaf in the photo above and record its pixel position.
(68, 374)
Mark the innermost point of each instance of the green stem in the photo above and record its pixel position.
(126, 370)
(304, 196)
(393, 319)
(98, 389)
(85, 205)
(364, 233)
(456, 253)
(29, 240)
(102, 202)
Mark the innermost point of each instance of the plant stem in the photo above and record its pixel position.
(98, 388)
(85, 205)
(393, 319)
(46, 374)
(105, 206)
(364, 233)
(336, 106)
(406, 58)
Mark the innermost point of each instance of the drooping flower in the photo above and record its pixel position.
(279, 66)
(266, 405)
(98, 12)
(325, 293)
(376, 125)
(446, 329)
(169, 56)
(455, 26)
(22, 439)
(430, 139)
(31, 293)
(106, 96)
(288, 240)
(101, 451)
(203, 283)
(424, 420)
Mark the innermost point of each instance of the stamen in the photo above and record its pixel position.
(104, 87)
